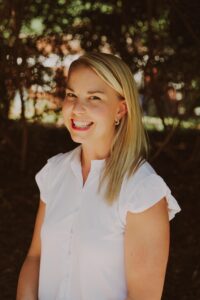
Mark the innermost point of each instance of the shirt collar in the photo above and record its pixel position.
(96, 164)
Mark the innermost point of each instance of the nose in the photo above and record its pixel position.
(78, 107)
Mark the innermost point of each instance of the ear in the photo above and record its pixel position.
(122, 109)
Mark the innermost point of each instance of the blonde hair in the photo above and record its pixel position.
(129, 147)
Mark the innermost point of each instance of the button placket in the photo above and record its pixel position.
(70, 241)
(63, 293)
(69, 269)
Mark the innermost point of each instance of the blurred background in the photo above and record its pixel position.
(160, 41)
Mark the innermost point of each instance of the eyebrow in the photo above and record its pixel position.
(96, 92)
(89, 92)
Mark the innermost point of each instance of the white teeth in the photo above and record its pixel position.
(81, 124)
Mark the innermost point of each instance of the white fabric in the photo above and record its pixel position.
(82, 237)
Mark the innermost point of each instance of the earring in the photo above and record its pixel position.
(117, 122)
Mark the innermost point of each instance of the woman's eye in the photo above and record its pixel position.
(70, 95)
(94, 98)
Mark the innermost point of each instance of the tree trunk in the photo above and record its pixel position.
(24, 141)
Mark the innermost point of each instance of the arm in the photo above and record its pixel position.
(27, 288)
(146, 252)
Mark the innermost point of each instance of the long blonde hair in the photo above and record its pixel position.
(129, 147)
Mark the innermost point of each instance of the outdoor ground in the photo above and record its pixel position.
(19, 199)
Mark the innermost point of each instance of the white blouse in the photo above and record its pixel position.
(82, 254)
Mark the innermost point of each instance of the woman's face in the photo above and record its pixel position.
(91, 107)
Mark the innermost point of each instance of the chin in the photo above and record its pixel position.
(77, 139)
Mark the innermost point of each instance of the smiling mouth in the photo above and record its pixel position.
(81, 125)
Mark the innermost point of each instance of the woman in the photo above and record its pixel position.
(102, 228)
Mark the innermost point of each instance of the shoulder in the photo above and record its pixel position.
(61, 158)
(56, 164)
(53, 172)
(144, 172)
(143, 189)
(145, 182)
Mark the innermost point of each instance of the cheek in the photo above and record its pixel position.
(65, 109)
(102, 113)
(66, 112)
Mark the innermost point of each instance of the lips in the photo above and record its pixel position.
(81, 125)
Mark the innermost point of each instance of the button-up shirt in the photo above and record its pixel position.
(82, 237)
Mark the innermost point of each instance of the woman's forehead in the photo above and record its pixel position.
(86, 77)
(81, 69)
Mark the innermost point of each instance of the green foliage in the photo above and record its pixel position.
(161, 39)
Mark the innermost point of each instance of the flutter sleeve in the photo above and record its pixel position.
(148, 192)
(44, 177)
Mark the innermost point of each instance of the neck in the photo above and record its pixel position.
(88, 154)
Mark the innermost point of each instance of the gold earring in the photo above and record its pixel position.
(117, 122)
